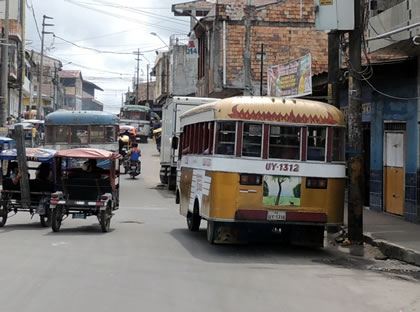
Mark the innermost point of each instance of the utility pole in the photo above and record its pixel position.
(262, 69)
(147, 87)
(41, 66)
(19, 137)
(355, 136)
(247, 52)
(333, 67)
(5, 68)
(138, 74)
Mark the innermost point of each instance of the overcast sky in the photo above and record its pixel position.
(107, 26)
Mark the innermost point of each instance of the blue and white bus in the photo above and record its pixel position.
(73, 129)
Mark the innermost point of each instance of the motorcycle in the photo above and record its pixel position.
(134, 169)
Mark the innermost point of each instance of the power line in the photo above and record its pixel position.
(124, 17)
(104, 51)
(34, 16)
(88, 48)
(90, 68)
(137, 11)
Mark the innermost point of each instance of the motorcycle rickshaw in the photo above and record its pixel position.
(126, 140)
(83, 188)
(30, 133)
(40, 167)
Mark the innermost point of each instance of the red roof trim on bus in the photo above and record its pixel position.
(280, 117)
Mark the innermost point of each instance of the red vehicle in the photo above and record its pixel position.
(87, 181)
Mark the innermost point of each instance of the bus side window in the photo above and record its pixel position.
(61, 134)
(96, 134)
(316, 143)
(284, 142)
(252, 140)
(225, 136)
(79, 134)
(338, 150)
(49, 137)
(110, 134)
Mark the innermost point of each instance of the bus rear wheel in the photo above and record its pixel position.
(194, 219)
(211, 231)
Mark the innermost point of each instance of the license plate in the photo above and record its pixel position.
(133, 167)
(79, 216)
(275, 215)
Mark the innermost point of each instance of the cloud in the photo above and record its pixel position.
(119, 30)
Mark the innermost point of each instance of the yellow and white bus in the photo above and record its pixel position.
(262, 165)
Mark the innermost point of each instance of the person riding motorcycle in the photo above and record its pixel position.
(135, 154)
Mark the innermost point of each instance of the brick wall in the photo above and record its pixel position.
(285, 32)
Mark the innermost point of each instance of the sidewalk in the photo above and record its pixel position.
(396, 238)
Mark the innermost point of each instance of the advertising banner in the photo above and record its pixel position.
(292, 79)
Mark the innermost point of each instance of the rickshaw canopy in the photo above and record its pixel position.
(90, 153)
(6, 140)
(25, 125)
(32, 154)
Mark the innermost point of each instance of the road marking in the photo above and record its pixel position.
(59, 244)
(143, 208)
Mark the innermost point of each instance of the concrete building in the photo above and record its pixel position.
(79, 93)
(183, 65)
(16, 59)
(52, 97)
(392, 111)
(161, 73)
(88, 100)
(230, 34)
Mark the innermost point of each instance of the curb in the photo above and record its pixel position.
(393, 251)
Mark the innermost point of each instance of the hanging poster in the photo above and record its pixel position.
(292, 79)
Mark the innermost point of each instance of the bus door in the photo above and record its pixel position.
(394, 172)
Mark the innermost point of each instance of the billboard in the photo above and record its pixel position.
(292, 79)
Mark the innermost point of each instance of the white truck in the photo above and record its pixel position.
(171, 111)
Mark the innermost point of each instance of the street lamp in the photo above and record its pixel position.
(156, 35)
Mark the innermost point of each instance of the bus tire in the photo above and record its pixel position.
(171, 181)
(194, 219)
(3, 214)
(56, 218)
(177, 197)
(211, 231)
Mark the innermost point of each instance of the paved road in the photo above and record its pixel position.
(150, 262)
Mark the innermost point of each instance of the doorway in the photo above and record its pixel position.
(394, 171)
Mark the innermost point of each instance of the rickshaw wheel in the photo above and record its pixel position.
(46, 218)
(56, 218)
(105, 219)
(3, 215)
